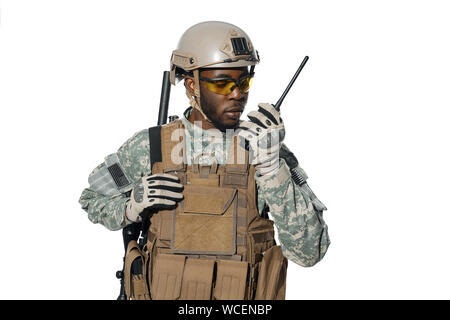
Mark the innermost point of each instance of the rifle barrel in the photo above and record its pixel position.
(164, 102)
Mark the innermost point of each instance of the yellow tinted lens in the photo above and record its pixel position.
(246, 84)
(221, 87)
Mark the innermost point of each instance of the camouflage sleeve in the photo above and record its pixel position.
(302, 231)
(106, 210)
(106, 197)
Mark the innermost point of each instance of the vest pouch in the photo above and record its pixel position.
(262, 240)
(197, 279)
(207, 199)
(231, 280)
(167, 276)
(134, 276)
(205, 222)
(272, 275)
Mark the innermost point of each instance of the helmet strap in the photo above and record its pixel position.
(195, 100)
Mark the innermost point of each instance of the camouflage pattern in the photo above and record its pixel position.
(210, 142)
(302, 231)
(110, 210)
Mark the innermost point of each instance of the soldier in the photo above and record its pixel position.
(208, 179)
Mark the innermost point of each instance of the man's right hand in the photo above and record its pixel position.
(158, 191)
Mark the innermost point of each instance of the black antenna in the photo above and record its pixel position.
(280, 101)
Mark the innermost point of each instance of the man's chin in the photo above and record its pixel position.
(227, 124)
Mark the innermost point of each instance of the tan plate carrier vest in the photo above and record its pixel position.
(214, 245)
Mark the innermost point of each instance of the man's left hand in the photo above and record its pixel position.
(265, 132)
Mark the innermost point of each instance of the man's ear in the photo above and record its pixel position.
(189, 83)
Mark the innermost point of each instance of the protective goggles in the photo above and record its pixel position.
(226, 85)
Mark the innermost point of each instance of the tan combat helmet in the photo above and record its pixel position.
(210, 44)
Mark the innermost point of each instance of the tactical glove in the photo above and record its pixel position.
(158, 191)
(264, 132)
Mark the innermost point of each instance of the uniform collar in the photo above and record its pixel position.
(191, 128)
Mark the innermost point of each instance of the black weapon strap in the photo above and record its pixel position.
(154, 135)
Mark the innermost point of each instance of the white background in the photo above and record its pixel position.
(367, 118)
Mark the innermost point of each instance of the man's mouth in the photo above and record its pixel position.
(234, 113)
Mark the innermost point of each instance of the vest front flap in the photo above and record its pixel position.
(207, 200)
(205, 222)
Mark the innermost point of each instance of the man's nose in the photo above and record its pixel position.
(236, 93)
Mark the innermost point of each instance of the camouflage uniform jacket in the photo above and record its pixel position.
(297, 213)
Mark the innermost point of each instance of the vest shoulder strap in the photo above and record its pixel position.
(154, 134)
(163, 143)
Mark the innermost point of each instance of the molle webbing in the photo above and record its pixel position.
(219, 202)
(211, 245)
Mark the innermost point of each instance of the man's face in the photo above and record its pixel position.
(223, 110)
